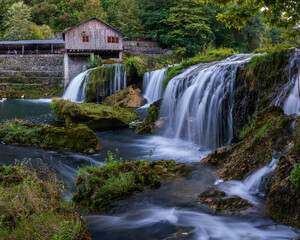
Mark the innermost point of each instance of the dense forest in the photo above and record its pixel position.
(182, 25)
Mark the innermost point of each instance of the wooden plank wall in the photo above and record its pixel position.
(98, 33)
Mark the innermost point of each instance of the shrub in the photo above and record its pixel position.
(295, 175)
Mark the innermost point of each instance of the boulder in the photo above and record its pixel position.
(270, 133)
(283, 200)
(95, 116)
(130, 97)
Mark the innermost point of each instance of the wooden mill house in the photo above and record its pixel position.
(87, 39)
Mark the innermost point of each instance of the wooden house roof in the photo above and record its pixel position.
(64, 32)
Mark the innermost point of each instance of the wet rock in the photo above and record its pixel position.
(283, 200)
(219, 203)
(79, 138)
(131, 97)
(151, 122)
(95, 116)
(271, 132)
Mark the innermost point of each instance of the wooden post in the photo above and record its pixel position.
(51, 48)
(23, 49)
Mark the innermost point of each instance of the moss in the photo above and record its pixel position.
(80, 139)
(33, 208)
(239, 160)
(295, 175)
(148, 124)
(95, 116)
(101, 186)
(98, 83)
(210, 55)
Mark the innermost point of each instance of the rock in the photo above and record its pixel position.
(95, 116)
(151, 123)
(79, 138)
(219, 203)
(283, 200)
(271, 132)
(130, 97)
(101, 187)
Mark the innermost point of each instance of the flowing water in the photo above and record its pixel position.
(159, 214)
(198, 103)
(75, 92)
(291, 102)
(152, 85)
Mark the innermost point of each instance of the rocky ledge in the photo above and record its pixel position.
(95, 116)
(79, 138)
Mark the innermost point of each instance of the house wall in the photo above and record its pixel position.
(98, 33)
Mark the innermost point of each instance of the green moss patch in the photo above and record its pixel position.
(270, 132)
(33, 209)
(95, 116)
(80, 138)
(101, 186)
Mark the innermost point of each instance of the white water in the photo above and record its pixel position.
(292, 101)
(152, 85)
(118, 81)
(198, 103)
(199, 225)
(75, 92)
(249, 188)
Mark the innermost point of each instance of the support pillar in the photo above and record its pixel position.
(51, 48)
(120, 55)
(66, 69)
(23, 49)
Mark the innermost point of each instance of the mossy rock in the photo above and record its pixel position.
(271, 132)
(95, 116)
(130, 97)
(148, 125)
(283, 200)
(101, 187)
(79, 138)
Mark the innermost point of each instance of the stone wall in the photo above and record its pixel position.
(30, 72)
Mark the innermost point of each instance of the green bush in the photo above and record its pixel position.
(295, 175)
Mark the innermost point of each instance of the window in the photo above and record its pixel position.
(112, 39)
(85, 38)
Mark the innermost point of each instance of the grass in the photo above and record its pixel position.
(31, 208)
(208, 55)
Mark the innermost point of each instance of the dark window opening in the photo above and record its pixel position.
(112, 39)
(85, 38)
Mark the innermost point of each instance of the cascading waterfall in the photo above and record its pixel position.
(198, 103)
(292, 102)
(118, 78)
(152, 84)
(76, 91)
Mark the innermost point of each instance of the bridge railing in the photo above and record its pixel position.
(36, 52)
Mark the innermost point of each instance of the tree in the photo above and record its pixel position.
(17, 22)
(126, 18)
(47, 31)
(92, 8)
(189, 25)
(36, 32)
(283, 14)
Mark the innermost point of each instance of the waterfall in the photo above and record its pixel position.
(76, 91)
(198, 103)
(118, 78)
(152, 84)
(292, 102)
